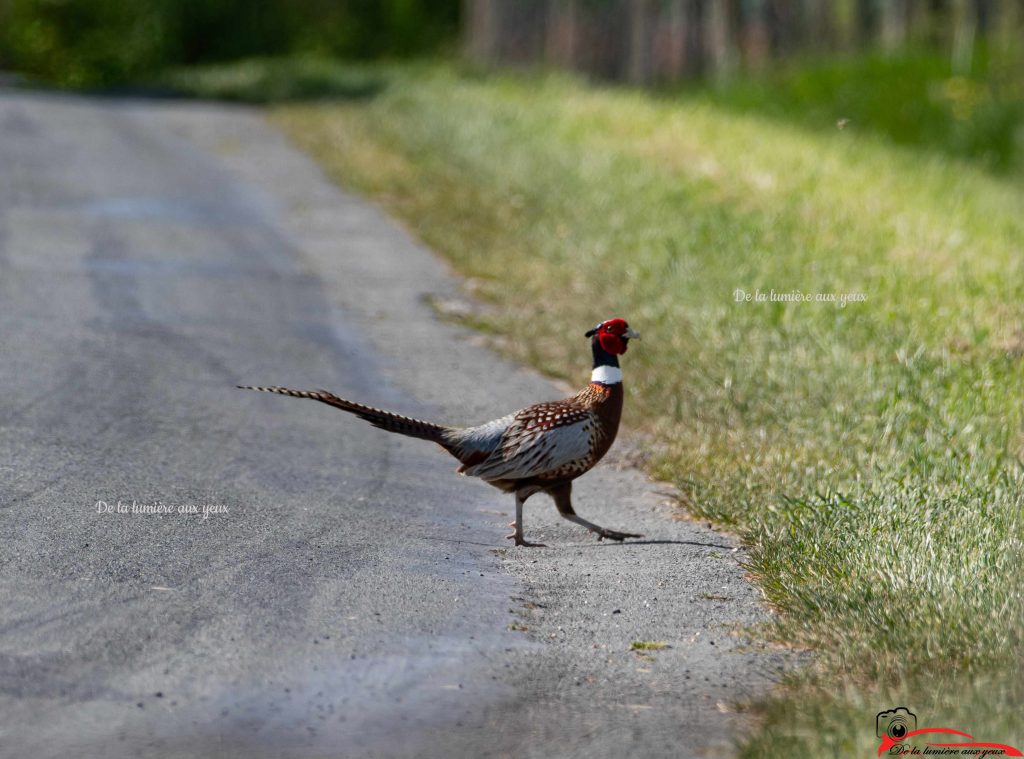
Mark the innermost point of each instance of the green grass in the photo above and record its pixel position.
(870, 455)
(261, 80)
(912, 99)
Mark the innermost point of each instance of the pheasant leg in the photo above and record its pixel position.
(517, 536)
(563, 500)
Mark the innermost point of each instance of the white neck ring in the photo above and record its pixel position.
(606, 375)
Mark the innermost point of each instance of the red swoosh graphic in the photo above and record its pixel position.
(888, 742)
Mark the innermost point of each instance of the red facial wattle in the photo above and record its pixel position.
(610, 335)
(612, 343)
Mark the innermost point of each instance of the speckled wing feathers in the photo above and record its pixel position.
(547, 441)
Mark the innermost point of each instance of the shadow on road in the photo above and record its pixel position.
(601, 543)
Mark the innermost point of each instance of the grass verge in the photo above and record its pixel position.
(911, 98)
(869, 453)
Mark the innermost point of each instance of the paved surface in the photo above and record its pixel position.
(355, 599)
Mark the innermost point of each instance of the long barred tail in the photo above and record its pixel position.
(385, 420)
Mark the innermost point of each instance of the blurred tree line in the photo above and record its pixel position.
(99, 42)
(947, 75)
(657, 40)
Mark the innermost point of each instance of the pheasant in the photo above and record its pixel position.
(539, 449)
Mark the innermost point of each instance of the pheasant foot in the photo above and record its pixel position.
(602, 533)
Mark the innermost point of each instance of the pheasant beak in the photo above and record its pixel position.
(631, 333)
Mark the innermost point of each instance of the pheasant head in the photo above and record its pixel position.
(609, 340)
(612, 336)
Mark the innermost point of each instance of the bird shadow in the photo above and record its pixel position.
(652, 542)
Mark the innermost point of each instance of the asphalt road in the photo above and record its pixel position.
(346, 595)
